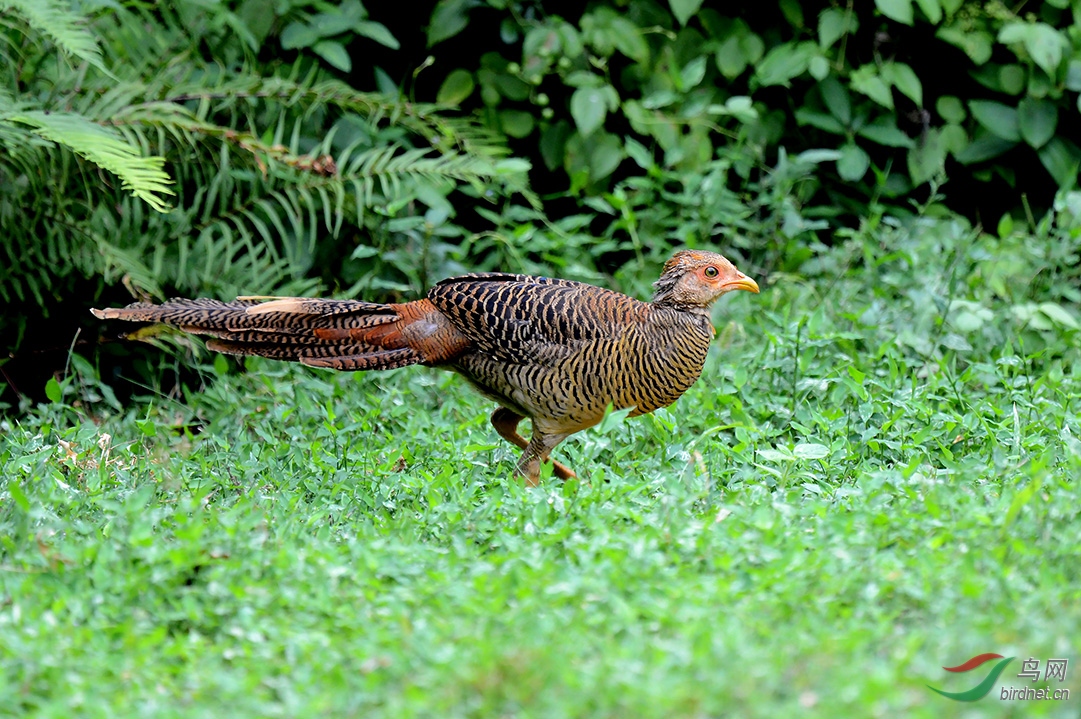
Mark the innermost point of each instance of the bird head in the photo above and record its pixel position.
(696, 278)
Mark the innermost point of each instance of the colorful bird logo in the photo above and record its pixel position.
(980, 690)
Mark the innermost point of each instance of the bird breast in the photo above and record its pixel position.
(645, 362)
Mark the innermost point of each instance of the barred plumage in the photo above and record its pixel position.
(556, 351)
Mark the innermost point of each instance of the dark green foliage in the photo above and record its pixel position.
(901, 93)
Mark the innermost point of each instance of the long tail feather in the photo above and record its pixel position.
(339, 334)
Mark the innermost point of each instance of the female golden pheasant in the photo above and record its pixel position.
(556, 351)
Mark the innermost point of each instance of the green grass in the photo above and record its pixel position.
(876, 477)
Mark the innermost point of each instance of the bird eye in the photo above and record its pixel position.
(711, 272)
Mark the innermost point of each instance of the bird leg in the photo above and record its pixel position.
(536, 453)
(506, 424)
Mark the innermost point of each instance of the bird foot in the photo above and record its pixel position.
(562, 471)
(530, 473)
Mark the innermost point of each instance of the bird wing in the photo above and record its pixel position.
(520, 319)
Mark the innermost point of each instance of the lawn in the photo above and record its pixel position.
(875, 478)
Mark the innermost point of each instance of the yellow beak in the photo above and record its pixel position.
(742, 282)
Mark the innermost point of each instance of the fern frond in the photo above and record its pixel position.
(142, 176)
(439, 130)
(52, 19)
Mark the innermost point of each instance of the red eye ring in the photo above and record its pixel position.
(711, 272)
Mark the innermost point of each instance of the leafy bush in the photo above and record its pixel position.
(898, 91)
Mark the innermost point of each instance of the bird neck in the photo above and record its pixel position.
(664, 291)
(688, 313)
(664, 296)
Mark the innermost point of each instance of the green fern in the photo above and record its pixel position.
(56, 21)
(265, 171)
(142, 176)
